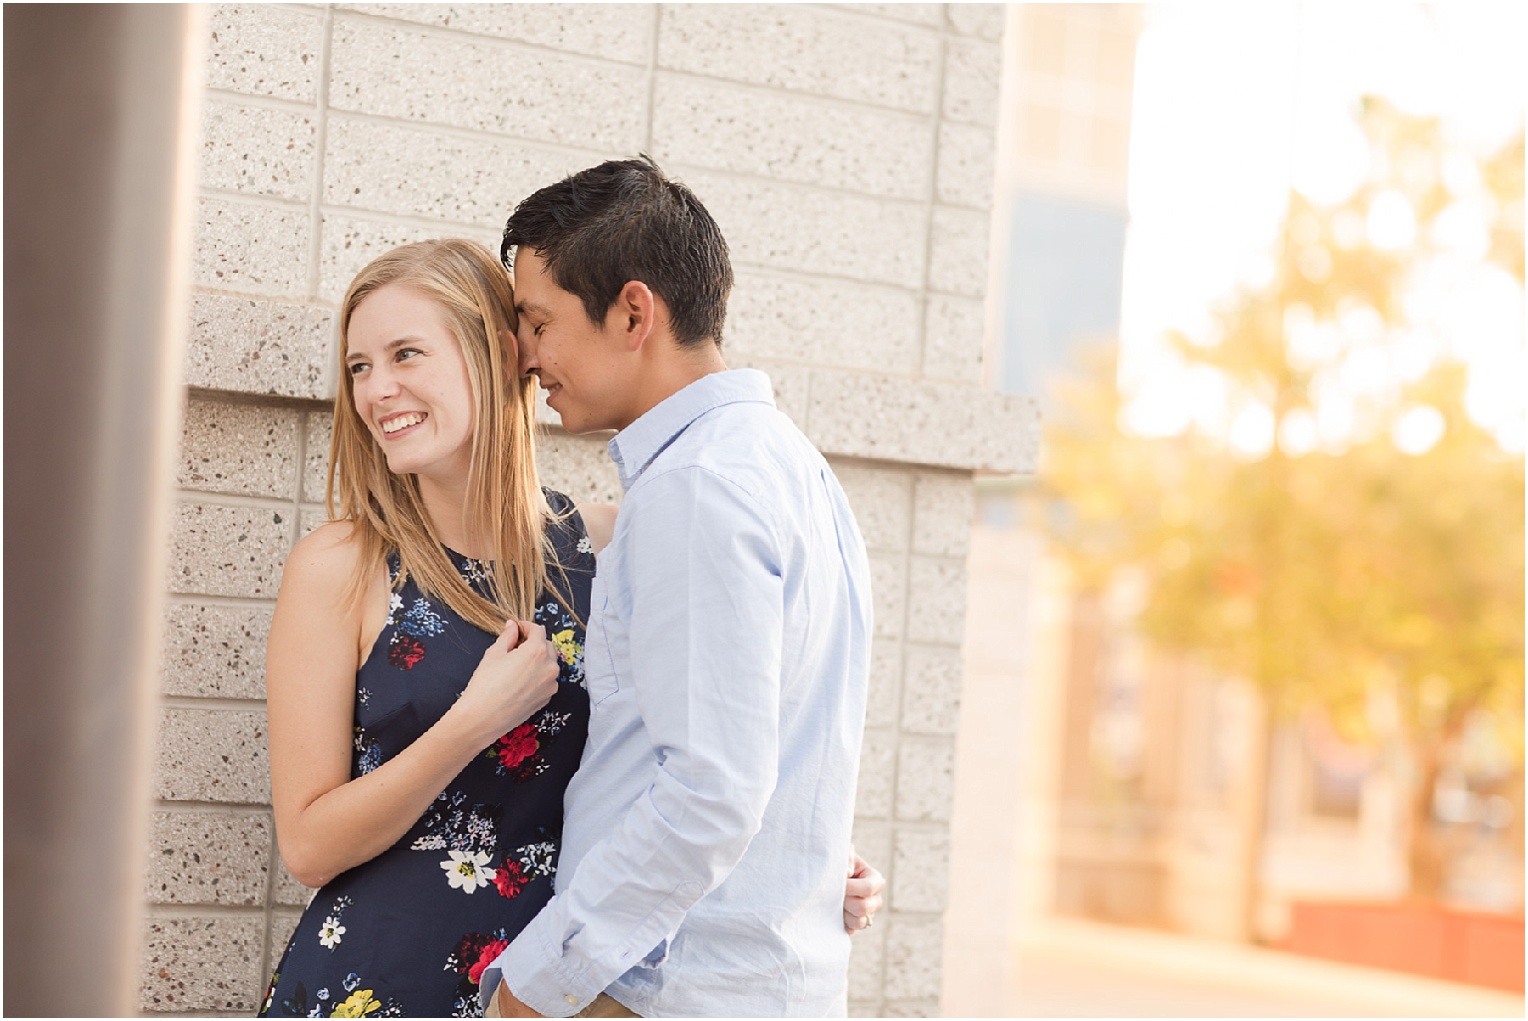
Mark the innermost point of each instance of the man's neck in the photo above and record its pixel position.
(674, 370)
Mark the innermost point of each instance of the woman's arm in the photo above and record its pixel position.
(862, 893)
(325, 821)
(599, 522)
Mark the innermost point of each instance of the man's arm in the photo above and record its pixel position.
(706, 613)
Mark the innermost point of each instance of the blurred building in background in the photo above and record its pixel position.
(1098, 778)
(1060, 219)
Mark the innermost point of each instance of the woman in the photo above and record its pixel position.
(424, 668)
(405, 737)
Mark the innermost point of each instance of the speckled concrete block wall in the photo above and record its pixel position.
(847, 152)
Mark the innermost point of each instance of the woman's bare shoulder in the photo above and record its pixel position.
(599, 522)
(326, 555)
(318, 591)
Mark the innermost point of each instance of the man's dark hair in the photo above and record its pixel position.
(624, 220)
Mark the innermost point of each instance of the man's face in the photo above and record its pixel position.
(578, 363)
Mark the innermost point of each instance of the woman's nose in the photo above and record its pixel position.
(382, 383)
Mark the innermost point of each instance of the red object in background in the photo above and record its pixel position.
(1477, 947)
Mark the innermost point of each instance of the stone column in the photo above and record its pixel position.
(98, 103)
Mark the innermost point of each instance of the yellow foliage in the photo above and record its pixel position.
(1330, 575)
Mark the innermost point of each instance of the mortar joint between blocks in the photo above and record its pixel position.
(320, 149)
(267, 952)
(452, 34)
(935, 121)
(652, 73)
(295, 532)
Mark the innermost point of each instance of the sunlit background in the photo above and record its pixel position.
(1249, 650)
(1235, 106)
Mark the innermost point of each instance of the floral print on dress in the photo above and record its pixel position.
(519, 752)
(361, 1003)
(421, 620)
(568, 649)
(468, 870)
(452, 824)
(477, 572)
(357, 1002)
(475, 951)
(332, 933)
(523, 865)
(295, 1005)
(270, 993)
(410, 627)
(477, 865)
(368, 753)
(567, 635)
(404, 651)
(471, 956)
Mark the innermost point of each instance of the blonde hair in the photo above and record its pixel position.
(504, 497)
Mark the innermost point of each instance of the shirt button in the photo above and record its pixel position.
(570, 998)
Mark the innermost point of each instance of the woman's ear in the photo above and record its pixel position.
(511, 351)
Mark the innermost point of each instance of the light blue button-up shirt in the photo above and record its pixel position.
(707, 832)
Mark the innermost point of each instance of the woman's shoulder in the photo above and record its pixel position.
(325, 556)
(330, 539)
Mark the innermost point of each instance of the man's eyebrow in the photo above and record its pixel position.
(529, 308)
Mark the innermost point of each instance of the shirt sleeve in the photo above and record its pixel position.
(702, 563)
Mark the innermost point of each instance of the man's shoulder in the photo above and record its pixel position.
(744, 451)
(741, 440)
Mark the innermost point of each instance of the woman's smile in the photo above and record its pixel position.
(392, 425)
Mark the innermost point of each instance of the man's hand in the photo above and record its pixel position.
(507, 1004)
(862, 894)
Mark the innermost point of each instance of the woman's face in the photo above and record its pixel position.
(408, 379)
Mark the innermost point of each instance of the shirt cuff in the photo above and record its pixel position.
(539, 978)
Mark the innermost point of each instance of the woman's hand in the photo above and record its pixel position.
(516, 676)
(862, 894)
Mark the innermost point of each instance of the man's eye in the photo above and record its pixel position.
(536, 330)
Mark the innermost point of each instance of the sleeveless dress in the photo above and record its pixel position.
(408, 933)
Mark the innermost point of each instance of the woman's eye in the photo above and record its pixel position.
(356, 367)
(405, 353)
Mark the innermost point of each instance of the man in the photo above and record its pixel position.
(702, 867)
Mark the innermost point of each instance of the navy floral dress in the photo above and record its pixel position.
(408, 933)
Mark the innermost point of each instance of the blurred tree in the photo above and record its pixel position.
(1341, 536)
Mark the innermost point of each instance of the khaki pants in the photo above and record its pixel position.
(602, 1006)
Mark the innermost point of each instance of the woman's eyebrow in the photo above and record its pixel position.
(391, 345)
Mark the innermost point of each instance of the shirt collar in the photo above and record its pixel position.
(633, 448)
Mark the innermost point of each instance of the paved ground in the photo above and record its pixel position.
(1082, 969)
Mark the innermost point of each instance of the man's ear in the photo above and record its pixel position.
(636, 312)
